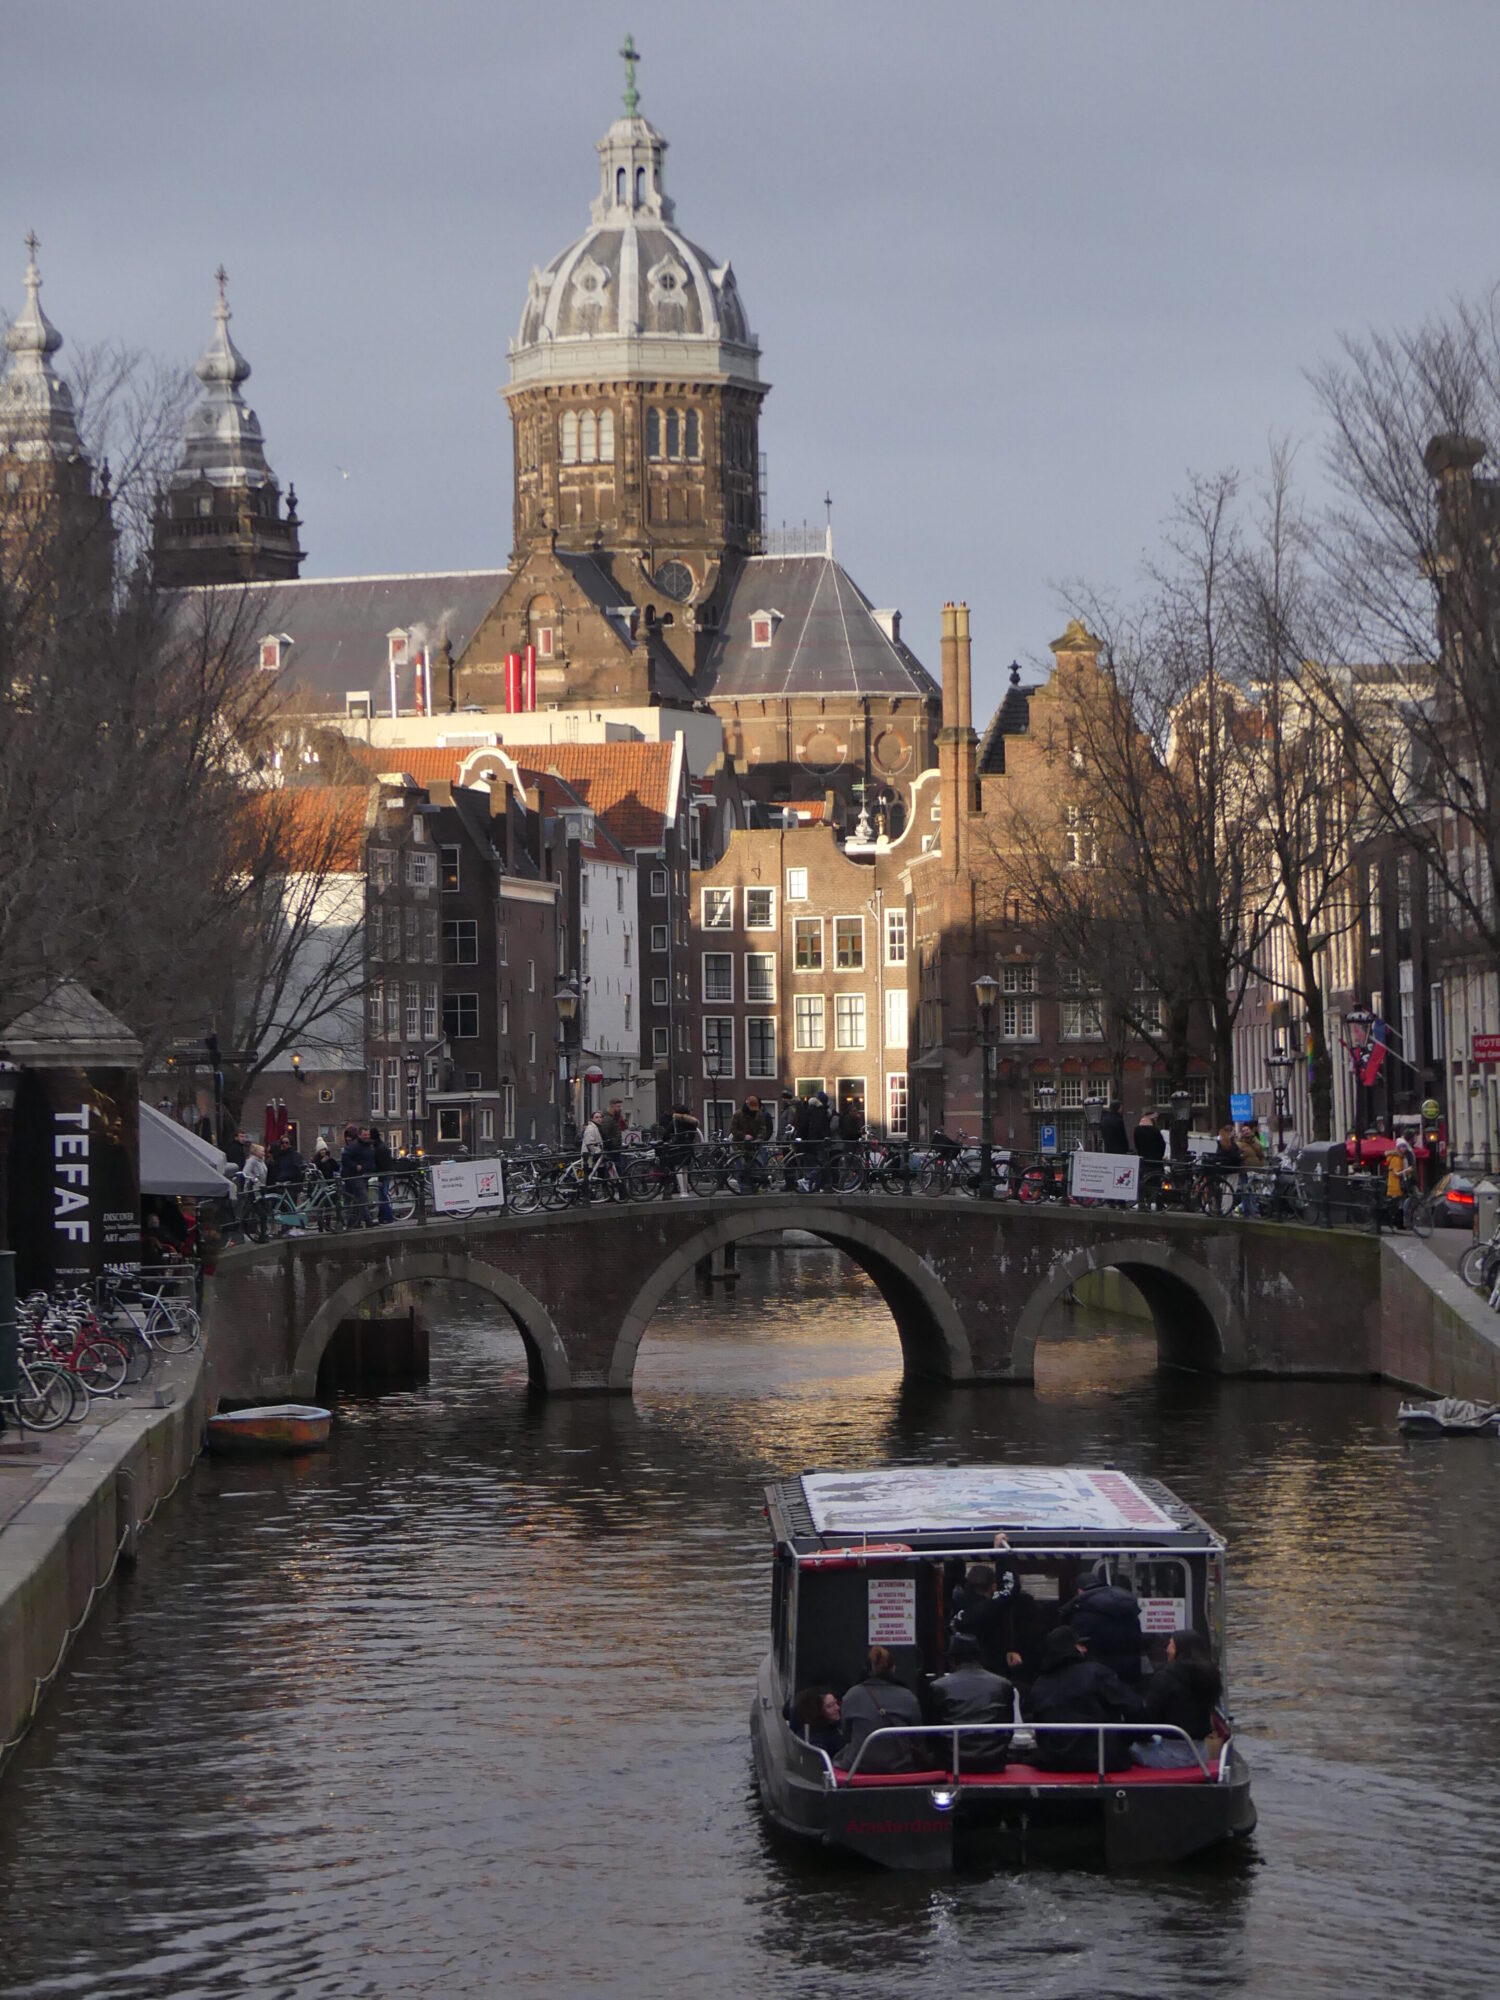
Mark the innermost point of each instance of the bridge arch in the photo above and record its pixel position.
(546, 1357)
(1197, 1323)
(934, 1340)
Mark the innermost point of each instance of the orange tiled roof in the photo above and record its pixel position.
(319, 828)
(426, 765)
(623, 784)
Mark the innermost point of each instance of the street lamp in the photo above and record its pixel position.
(413, 1098)
(986, 991)
(1281, 1062)
(1182, 1118)
(566, 998)
(713, 1063)
(1046, 1109)
(1093, 1122)
(1360, 1024)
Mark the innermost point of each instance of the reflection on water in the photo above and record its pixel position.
(460, 1708)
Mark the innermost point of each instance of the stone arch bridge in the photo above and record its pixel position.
(968, 1284)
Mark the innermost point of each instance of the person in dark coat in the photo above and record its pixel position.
(1150, 1143)
(1108, 1620)
(1112, 1134)
(385, 1162)
(356, 1164)
(880, 1701)
(983, 1607)
(1184, 1694)
(287, 1167)
(1071, 1687)
(818, 1719)
(812, 1137)
(968, 1693)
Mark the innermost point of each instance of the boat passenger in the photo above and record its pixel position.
(1108, 1620)
(818, 1717)
(1185, 1693)
(969, 1692)
(984, 1606)
(880, 1701)
(1074, 1688)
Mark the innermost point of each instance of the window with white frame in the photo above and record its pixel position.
(807, 944)
(807, 1017)
(452, 858)
(760, 975)
(896, 1105)
(661, 1047)
(849, 1020)
(1080, 837)
(760, 1045)
(377, 1105)
(450, 1124)
(1079, 1017)
(421, 869)
(658, 881)
(658, 993)
(718, 909)
(895, 937)
(429, 1010)
(658, 937)
(718, 975)
(760, 909)
(382, 867)
(718, 1045)
(1147, 1003)
(393, 1011)
(393, 934)
(414, 937)
(895, 1018)
(375, 1007)
(849, 944)
(1018, 1003)
(393, 1105)
(796, 885)
(430, 937)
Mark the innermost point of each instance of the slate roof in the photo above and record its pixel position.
(338, 626)
(826, 641)
(1011, 718)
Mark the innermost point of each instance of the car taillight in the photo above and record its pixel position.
(1464, 1200)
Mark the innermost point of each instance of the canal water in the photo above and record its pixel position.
(460, 1708)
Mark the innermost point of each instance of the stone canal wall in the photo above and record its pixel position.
(1435, 1333)
(61, 1546)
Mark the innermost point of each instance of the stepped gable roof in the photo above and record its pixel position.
(825, 637)
(338, 626)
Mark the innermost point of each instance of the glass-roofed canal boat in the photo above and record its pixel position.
(874, 1558)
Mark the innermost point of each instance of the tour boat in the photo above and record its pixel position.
(870, 1557)
(271, 1430)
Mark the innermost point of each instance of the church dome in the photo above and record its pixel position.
(633, 291)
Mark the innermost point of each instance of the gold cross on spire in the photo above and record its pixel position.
(632, 56)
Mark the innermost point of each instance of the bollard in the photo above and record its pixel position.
(1486, 1202)
(8, 1371)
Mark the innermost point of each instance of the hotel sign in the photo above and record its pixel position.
(1486, 1049)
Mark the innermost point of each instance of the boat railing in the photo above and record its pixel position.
(954, 1731)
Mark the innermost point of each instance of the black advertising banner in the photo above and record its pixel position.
(74, 1175)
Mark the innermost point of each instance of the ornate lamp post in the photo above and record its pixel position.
(1360, 1023)
(1182, 1119)
(713, 1063)
(986, 991)
(1281, 1062)
(1046, 1110)
(414, 1098)
(566, 998)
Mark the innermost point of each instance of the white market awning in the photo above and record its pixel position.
(176, 1161)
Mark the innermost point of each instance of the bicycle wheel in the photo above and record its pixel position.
(643, 1180)
(1419, 1215)
(934, 1178)
(178, 1332)
(521, 1185)
(102, 1365)
(78, 1388)
(44, 1395)
(704, 1174)
(1216, 1196)
(1035, 1184)
(1471, 1265)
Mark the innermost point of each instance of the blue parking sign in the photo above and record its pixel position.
(1241, 1107)
(1049, 1138)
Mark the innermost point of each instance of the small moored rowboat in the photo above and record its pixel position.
(1449, 1416)
(270, 1429)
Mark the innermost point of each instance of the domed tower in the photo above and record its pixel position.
(635, 395)
(49, 499)
(222, 520)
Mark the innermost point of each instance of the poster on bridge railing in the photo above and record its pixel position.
(462, 1187)
(1105, 1177)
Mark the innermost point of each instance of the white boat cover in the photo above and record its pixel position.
(176, 1161)
(926, 1499)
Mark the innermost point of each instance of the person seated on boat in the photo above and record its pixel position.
(984, 1606)
(1108, 1619)
(969, 1692)
(1185, 1693)
(817, 1715)
(880, 1701)
(1071, 1687)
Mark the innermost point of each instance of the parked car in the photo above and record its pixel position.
(1453, 1202)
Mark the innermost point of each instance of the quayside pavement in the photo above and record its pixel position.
(72, 1504)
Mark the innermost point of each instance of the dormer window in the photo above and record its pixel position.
(357, 706)
(763, 627)
(273, 651)
(398, 647)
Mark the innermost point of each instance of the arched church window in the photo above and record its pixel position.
(588, 438)
(690, 442)
(653, 433)
(640, 185)
(674, 435)
(568, 437)
(620, 187)
(606, 437)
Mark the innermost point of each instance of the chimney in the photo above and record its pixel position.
(949, 665)
(964, 717)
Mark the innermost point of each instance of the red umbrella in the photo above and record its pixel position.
(272, 1130)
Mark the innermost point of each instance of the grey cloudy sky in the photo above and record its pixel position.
(1015, 268)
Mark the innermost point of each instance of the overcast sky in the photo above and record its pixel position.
(1015, 269)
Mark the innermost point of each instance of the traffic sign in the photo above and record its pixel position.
(1049, 1138)
(1241, 1106)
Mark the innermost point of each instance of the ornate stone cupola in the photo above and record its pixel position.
(222, 520)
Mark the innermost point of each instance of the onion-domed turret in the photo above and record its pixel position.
(36, 406)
